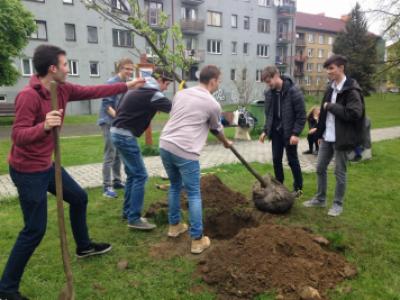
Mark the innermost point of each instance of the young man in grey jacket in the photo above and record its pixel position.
(339, 130)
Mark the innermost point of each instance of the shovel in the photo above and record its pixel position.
(269, 195)
(67, 293)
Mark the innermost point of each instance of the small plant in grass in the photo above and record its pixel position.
(337, 241)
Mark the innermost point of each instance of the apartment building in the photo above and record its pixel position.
(240, 36)
(314, 41)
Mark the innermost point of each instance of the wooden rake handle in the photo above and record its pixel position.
(68, 292)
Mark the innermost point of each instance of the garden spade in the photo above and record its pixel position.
(67, 293)
(268, 194)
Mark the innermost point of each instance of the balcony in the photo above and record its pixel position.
(190, 26)
(300, 42)
(300, 58)
(298, 73)
(154, 19)
(280, 60)
(196, 55)
(284, 38)
(193, 2)
(286, 11)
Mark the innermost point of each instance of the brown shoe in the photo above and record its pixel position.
(176, 230)
(198, 246)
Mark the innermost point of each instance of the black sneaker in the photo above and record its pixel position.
(12, 296)
(93, 249)
(118, 185)
(307, 152)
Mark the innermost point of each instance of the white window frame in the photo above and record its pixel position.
(309, 67)
(213, 45)
(263, 50)
(321, 39)
(258, 75)
(320, 53)
(3, 98)
(234, 21)
(307, 80)
(214, 18)
(310, 37)
(30, 66)
(310, 52)
(69, 2)
(319, 68)
(73, 72)
(265, 3)
(98, 69)
(330, 40)
(318, 81)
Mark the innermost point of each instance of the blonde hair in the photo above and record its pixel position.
(311, 112)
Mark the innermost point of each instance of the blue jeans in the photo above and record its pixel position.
(32, 191)
(184, 171)
(136, 175)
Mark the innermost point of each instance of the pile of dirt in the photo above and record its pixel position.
(272, 258)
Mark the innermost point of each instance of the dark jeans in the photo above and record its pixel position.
(32, 190)
(312, 140)
(278, 145)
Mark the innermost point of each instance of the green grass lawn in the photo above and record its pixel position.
(368, 231)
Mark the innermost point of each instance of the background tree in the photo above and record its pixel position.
(244, 86)
(16, 25)
(132, 16)
(359, 46)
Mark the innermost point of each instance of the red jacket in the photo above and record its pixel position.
(32, 146)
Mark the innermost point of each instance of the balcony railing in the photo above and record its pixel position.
(192, 26)
(300, 42)
(193, 2)
(280, 60)
(286, 10)
(300, 58)
(284, 37)
(196, 55)
(298, 73)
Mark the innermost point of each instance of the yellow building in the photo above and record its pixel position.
(315, 35)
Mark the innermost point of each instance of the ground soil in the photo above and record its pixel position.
(250, 254)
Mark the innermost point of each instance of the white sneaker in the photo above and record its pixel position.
(336, 210)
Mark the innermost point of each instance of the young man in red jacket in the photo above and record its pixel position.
(31, 167)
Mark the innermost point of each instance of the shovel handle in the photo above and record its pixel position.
(69, 293)
(251, 170)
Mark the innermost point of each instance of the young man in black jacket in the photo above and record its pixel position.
(339, 130)
(285, 119)
(134, 114)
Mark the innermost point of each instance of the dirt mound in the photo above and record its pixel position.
(272, 258)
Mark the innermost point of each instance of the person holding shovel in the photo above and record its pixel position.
(194, 113)
(30, 161)
(285, 119)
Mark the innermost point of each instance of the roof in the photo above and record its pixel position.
(319, 22)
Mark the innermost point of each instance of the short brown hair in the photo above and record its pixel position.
(163, 74)
(209, 72)
(122, 62)
(269, 72)
(336, 59)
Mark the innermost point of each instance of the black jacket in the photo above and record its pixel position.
(349, 112)
(138, 107)
(293, 111)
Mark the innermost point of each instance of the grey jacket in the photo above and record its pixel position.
(292, 110)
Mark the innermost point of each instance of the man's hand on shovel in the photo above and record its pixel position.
(53, 119)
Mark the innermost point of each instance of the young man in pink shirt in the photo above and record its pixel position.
(194, 113)
(31, 167)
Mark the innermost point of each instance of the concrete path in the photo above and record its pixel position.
(212, 155)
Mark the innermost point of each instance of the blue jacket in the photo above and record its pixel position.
(104, 117)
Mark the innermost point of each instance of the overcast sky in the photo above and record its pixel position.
(337, 8)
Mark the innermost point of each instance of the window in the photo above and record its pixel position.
(27, 66)
(330, 40)
(264, 3)
(191, 43)
(117, 4)
(233, 74)
(330, 53)
(264, 25)
(318, 81)
(246, 22)
(92, 35)
(309, 67)
(122, 38)
(70, 32)
(244, 74)
(319, 68)
(41, 31)
(234, 19)
(320, 53)
(214, 46)
(321, 39)
(262, 50)
(188, 13)
(3, 98)
(310, 52)
(214, 18)
(246, 48)
(234, 47)
(258, 75)
(68, 1)
(154, 9)
(73, 67)
(307, 80)
(310, 38)
(94, 69)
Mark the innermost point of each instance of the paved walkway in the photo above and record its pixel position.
(212, 155)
